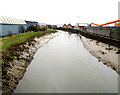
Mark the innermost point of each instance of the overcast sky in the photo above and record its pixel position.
(61, 11)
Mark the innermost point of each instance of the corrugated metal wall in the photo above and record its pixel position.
(6, 29)
(112, 32)
(11, 25)
(0, 30)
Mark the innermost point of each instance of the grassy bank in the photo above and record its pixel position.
(9, 41)
(16, 56)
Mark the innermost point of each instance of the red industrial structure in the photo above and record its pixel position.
(106, 23)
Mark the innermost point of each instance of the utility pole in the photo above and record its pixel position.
(77, 21)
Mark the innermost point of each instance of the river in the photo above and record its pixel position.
(63, 65)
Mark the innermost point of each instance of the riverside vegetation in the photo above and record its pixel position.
(9, 43)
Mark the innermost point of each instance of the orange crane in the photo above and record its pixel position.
(106, 23)
(95, 24)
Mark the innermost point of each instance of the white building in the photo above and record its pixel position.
(11, 26)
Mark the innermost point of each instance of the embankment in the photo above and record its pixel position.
(108, 54)
(18, 59)
(97, 36)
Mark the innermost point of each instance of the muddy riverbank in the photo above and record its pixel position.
(106, 53)
(13, 70)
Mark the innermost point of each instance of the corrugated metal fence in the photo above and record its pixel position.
(111, 32)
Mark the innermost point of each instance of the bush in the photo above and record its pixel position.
(33, 28)
(36, 28)
(42, 28)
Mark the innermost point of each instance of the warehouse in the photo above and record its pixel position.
(31, 23)
(11, 26)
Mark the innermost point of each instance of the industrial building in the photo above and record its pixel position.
(31, 23)
(67, 26)
(11, 26)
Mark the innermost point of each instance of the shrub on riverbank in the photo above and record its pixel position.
(33, 28)
(36, 28)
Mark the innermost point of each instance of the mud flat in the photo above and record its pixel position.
(106, 53)
(14, 70)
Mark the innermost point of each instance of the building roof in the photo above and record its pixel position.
(8, 20)
(31, 22)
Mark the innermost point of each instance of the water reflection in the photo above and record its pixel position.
(63, 65)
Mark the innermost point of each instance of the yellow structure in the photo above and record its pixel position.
(117, 24)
